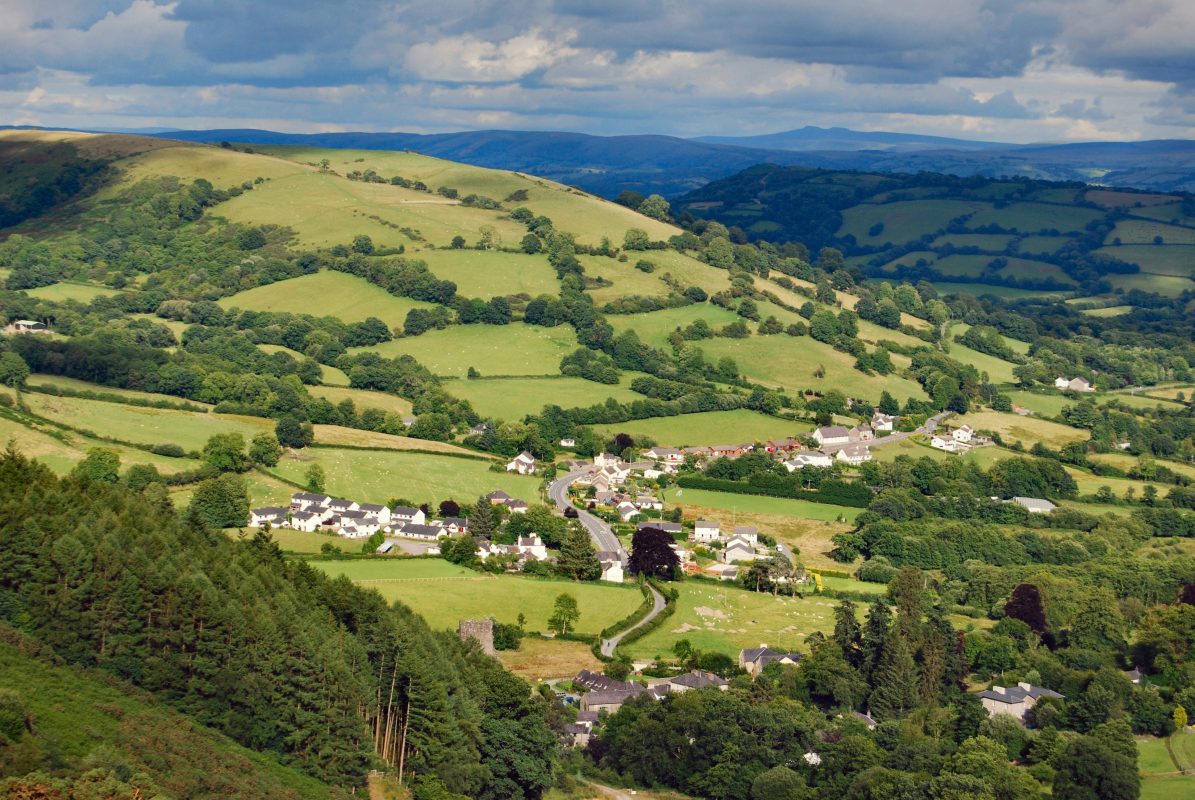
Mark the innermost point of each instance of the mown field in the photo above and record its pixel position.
(80, 292)
(1161, 777)
(723, 619)
(707, 428)
(514, 398)
(377, 476)
(444, 594)
(493, 350)
(327, 294)
(725, 506)
(1025, 430)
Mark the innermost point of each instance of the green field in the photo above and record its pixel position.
(379, 476)
(1161, 777)
(1177, 260)
(487, 273)
(919, 448)
(1125, 461)
(991, 242)
(494, 350)
(707, 428)
(1107, 311)
(653, 327)
(626, 279)
(1044, 405)
(912, 259)
(189, 429)
(84, 386)
(1042, 245)
(1034, 217)
(327, 294)
(514, 398)
(62, 292)
(1165, 285)
(1026, 430)
(445, 594)
(790, 363)
(331, 375)
(310, 543)
(903, 221)
(363, 398)
(724, 619)
(758, 504)
(980, 289)
(998, 370)
(1140, 231)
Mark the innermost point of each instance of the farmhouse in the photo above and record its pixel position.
(1015, 701)
(746, 532)
(809, 458)
(854, 454)
(532, 546)
(950, 445)
(753, 659)
(523, 463)
(962, 434)
(1073, 384)
(612, 571)
(705, 531)
(883, 422)
(833, 434)
(26, 326)
(737, 549)
(1034, 505)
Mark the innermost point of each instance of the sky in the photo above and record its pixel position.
(1004, 70)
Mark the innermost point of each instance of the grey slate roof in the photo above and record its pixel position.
(1016, 694)
(667, 527)
(699, 680)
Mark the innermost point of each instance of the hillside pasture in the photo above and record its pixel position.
(1140, 231)
(338, 436)
(188, 429)
(444, 594)
(1034, 217)
(363, 399)
(707, 428)
(788, 362)
(327, 294)
(1041, 245)
(1041, 403)
(65, 291)
(1026, 430)
(654, 327)
(494, 350)
(1167, 259)
(488, 273)
(1165, 285)
(1107, 311)
(988, 242)
(980, 289)
(903, 221)
(72, 384)
(514, 398)
(331, 376)
(626, 279)
(377, 476)
(998, 370)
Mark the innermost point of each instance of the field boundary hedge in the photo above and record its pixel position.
(838, 493)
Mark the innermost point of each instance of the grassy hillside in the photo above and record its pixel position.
(106, 722)
(332, 294)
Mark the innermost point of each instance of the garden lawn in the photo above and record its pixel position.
(490, 273)
(374, 476)
(327, 294)
(707, 428)
(494, 350)
(725, 619)
(1026, 430)
(445, 599)
(790, 363)
(188, 429)
(80, 292)
(514, 398)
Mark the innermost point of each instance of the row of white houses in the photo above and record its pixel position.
(310, 512)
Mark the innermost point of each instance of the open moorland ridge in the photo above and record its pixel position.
(282, 417)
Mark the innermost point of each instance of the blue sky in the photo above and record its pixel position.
(1012, 70)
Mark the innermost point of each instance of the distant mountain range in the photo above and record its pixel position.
(673, 166)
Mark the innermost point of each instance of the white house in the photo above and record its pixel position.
(737, 549)
(752, 660)
(854, 455)
(746, 532)
(627, 511)
(532, 546)
(1061, 383)
(523, 463)
(649, 502)
(606, 460)
(809, 458)
(453, 525)
(339, 505)
(611, 562)
(941, 443)
(1015, 701)
(832, 434)
(306, 521)
(417, 530)
(378, 511)
(308, 501)
(883, 422)
(962, 434)
(274, 516)
(667, 455)
(405, 515)
(26, 326)
(568, 441)
(517, 506)
(705, 531)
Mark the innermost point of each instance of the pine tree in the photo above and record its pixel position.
(484, 519)
(894, 684)
(578, 560)
(871, 643)
(848, 633)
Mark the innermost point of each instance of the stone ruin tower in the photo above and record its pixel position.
(480, 630)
